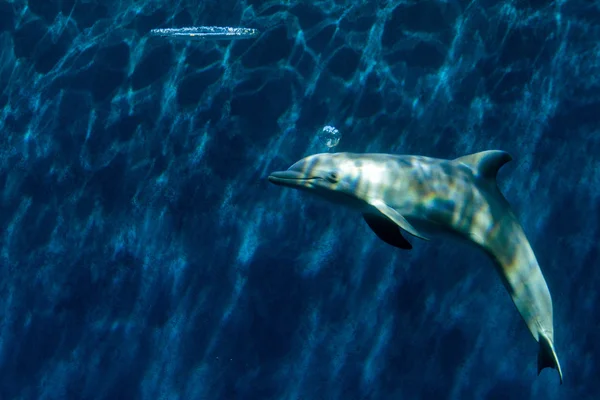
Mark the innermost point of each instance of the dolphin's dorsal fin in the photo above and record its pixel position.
(485, 164)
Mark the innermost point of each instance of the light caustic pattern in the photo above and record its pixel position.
(144, 254)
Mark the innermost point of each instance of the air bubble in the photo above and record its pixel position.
(330, 136)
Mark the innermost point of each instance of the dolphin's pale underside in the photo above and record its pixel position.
(434, 197)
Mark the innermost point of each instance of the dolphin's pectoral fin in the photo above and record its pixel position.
(387, 231)
(485, 164)
(547, 356)
(396, 218)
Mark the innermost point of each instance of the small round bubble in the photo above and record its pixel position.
(330, 136)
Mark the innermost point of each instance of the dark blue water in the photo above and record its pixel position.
(144, 255)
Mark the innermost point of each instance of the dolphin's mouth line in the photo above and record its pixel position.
(292, 181)
(295, 179)
(290, 177)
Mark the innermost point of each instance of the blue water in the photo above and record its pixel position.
(143, 254)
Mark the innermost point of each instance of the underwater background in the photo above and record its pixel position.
(143, 254)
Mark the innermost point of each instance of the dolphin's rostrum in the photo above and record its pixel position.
(429, 197)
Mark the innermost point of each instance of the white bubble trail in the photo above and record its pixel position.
(202, 33)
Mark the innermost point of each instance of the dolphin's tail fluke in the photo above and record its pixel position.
(547, 356)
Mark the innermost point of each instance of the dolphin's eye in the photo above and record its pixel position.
(333, 177)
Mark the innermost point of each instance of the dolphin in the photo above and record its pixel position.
(430, 197)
